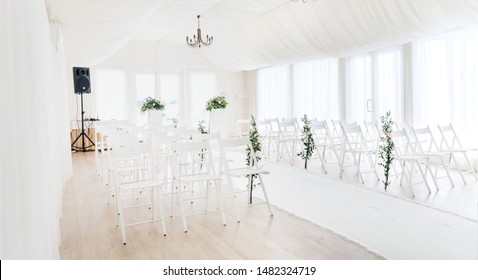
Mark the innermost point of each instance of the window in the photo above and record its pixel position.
(388, 84)
(273, 92)
(445, 83)
(374, 85)
(358, 89)
(315, 88)
(163, 86)
(202, 87)
(111, 94)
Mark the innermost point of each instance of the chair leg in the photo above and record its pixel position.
(459, 169)
(265, 194)
(181, 209)
(217, 185)
(447, 171)
(160, 210)
(121, 220)
(472, 169)
(424, 178)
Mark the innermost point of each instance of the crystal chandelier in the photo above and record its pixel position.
(198, 41)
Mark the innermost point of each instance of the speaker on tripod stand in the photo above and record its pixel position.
(81, 80)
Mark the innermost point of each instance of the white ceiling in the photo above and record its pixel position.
(250, 34)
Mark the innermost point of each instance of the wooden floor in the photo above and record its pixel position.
(88, 231)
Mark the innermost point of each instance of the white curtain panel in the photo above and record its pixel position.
(358, 88)
(335, 28)
(445, 83)
(315, 89)
(96, 29)
(35, 160)
(273, 92)
(251, 34)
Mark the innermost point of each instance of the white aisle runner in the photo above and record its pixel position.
(392, 227)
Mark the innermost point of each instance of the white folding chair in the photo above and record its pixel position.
(114, 140)
(324, 143)
(162, 150)
(195, 175)
(138, 187)
(263, 129)
(289, 139)
(234, 165)
(355, 144)
(424, 144)
(404, 154)
(273, 135)
(450, 142)
(243, 127)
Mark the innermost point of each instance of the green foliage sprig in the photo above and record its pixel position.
(307, 141)
(254, 138)
(150, 104)
(218, 102)
(386, 147)
(202, 127)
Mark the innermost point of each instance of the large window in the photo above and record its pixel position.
(359, 103)
(315, 89)
(111, 94)
(273, 92)
(163, 86)
(374, 86)
(202, 86)
(445, 82)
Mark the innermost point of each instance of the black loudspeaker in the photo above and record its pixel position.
(81, 79)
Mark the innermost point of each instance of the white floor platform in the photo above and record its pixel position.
(440, 225)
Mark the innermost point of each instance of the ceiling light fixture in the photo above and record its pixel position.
(199, 41)
(305, 1)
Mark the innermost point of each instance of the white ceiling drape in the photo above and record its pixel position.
(95, 29)
(250, 34)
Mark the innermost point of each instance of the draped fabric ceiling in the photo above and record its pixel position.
(250, 34)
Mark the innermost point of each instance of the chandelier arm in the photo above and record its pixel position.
(199, 40)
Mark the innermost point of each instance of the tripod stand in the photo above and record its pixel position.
(82, 135)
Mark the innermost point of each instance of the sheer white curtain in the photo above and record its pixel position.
(387, 69)
(445, 83)
(203, 85)
(315, 89)
(273, 92)
(35, 140)
(358, 87)
(111, 94)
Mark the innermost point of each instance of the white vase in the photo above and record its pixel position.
(155, 117)
(218, 122)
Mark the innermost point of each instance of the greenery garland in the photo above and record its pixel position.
(150, 104)
(386, 147)
(307, 141)
(254, 137)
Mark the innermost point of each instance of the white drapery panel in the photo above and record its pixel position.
(250, 34)
(374, 86)
(315, 89)
(333, 28)
(111, 94)
(446, 83)
(387, 77)
(358, 88)
(96, 29)
(273, 92)
(203, 85)
(34, 147)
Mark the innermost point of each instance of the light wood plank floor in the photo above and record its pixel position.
(88, 231)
